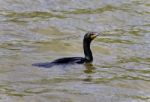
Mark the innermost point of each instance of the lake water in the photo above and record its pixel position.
(33, 31)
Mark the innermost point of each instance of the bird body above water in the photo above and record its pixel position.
(74, 60)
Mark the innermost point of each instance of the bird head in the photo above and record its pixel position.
(91, 36)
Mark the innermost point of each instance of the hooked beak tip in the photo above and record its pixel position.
(98, 34)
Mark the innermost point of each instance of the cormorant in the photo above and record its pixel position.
(88, 37)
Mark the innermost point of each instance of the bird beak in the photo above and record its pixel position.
(95, 35)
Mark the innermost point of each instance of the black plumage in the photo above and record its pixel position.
(75, 60)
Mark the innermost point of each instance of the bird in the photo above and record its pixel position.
(88, 38)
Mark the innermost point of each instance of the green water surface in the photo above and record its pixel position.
(33, 31)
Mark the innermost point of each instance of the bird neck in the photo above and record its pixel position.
(87, 50)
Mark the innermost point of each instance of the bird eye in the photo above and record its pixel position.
(92, 33)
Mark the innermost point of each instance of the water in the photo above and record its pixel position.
(33, 31)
